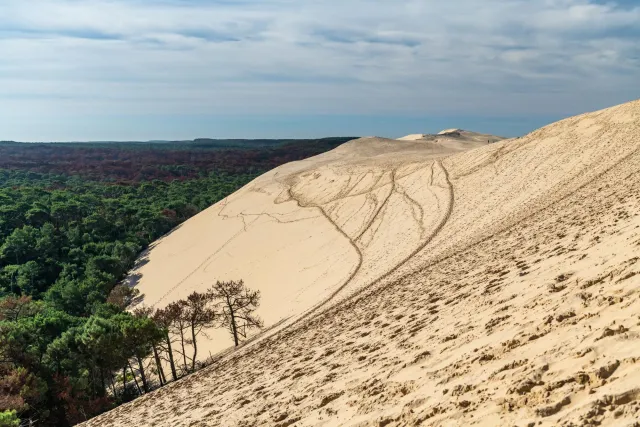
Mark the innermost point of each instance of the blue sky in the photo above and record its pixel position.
(180, 69)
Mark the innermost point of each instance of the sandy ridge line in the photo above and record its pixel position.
(367, 292)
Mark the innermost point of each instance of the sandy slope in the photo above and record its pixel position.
(504, 293)
(309, 231)
(449, 136)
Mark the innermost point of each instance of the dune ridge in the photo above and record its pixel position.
(493, 286)
(309, 232)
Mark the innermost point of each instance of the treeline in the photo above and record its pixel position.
(178, 326)
(58, 233)
(69, 348)
(125, 163)
(65, 243)
(112, 356)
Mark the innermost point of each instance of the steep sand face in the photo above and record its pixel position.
(464, 138)
(449, 131)
(413, 137)
(518, 304)
(308, 232)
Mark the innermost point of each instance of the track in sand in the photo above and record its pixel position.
(517, 305)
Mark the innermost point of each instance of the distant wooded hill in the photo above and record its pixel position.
(163, 160)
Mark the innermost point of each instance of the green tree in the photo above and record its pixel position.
(102, 341)
(24, 342)
(140, 335)
(20, 246)
(65, 242)
(9, 419)
(38, 215)
(29, 278)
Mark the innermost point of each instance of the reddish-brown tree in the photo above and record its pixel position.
(12, 307)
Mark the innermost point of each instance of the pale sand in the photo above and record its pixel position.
(308, 231)
(447, 131)
(464, 139)
(495, 286)
(413, 137)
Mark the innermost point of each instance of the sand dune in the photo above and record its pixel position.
(449, 131)
(413, 137)
(462, 139)
(309, 231)
(425, 284)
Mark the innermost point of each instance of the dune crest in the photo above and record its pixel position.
(490, 286)
(450, 131)
(309, 232)
(470, 139)
(413, 137)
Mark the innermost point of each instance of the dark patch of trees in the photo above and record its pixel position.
(69, 347)
(139, 162)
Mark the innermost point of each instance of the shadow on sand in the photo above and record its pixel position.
(134, 276)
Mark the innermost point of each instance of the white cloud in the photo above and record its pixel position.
(497, 57)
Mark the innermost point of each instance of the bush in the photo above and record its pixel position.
(9, 419)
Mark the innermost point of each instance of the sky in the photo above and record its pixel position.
(178, 69)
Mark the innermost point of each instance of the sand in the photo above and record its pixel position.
(310, 231)
(451, 137)
(414, 137)
(449, 131)
(424, 283)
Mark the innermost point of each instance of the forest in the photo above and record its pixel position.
(73, 219)
(166, 161)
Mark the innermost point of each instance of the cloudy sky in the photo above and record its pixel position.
(173, 69)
